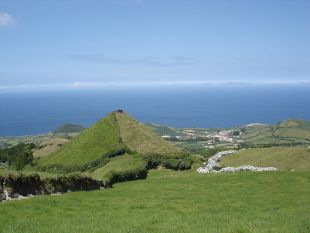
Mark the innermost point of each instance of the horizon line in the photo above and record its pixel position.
(98, 85)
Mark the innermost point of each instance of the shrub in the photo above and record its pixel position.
(18, 155)
(33, 184)
(183, 162)
(117, 177)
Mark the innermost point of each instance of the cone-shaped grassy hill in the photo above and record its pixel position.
(115, 135)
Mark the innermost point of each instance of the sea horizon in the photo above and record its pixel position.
(214, 106)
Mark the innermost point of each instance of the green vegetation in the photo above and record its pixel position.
(176, 163)
(68, 128)
(48, 146)
(142, 139)
(164, 130)
(169, 201)
(6, 142)
(17, 156)
(286, 133)
(113, 150)
(124, 163)
(117, 148)
(283, 158)
(91, 146)
(112, 136)
(34, 184)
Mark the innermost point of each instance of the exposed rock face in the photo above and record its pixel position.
(212, 165)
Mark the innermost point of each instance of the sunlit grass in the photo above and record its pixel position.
(169, 201)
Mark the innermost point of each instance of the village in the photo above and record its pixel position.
(208, 138)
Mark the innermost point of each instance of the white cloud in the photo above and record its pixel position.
(6, 19)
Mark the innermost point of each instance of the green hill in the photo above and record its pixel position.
(114, 135)
(283, 158)
(68, 128)
(86, 148)
(141, 138)
(286, 133)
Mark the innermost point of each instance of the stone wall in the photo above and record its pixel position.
(212, 166)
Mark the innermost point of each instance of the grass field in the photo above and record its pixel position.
(169, 201)
(283, 158)
(122, 163)
(289, 132)
(49, 146)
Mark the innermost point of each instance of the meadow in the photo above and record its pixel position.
(283, 158)
(171, 201)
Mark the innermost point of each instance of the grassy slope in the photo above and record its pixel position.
(88, 146)
(141, 138)
(117, 164)
(283, 158)
(171, 202)
(293, 129)
(163, 130)
(286, 132)
(49, 146)
(68, 128)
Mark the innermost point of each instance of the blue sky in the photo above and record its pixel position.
(93, 42)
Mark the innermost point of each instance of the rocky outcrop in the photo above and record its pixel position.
(212, 166)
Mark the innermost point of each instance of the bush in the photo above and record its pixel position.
(177, 163)
(135, 174)
(19, 155)
(23, 185)
(71, 182)
(33, 184)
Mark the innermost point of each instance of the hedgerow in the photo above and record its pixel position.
(178, 162)
(33, 184)
(122, 176)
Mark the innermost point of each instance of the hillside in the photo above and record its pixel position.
(288, 132)
(142, 139)
(68, 128)
(48, 146)
(120, 164)
(89, 146)
(283, 158)
(111, 136)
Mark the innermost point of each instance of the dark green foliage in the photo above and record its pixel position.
(35, 185)
(212, 151)
(135, 174)
(71, 182)
(68, 128)
(18, 155)
(24, 185)
(176, 163)
(2, 196)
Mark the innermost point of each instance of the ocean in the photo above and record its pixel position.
(36, 112)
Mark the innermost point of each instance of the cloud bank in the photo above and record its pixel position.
(6, 19)
(138, 84)
(100, 58)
